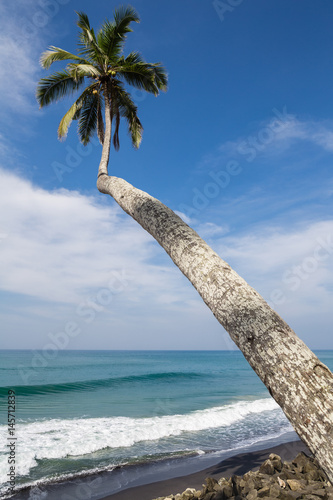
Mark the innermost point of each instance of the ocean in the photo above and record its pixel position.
(80, 413)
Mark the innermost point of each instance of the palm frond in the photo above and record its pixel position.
(81, 70)
(123, 16)
(116, 142)
(100, 123)
(132, 58)
(149, 77)
(128, 110)
(112, 35)
(88, 118)
(83, 21)
(161, 76)
(54, 54)
(87, 40)
(56, 86)
(74, 112)
(139, 76)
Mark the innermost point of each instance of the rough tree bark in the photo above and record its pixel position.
(294, 376)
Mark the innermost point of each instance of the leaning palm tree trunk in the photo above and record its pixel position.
(294, 376)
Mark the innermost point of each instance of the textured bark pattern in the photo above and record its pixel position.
(294, 376)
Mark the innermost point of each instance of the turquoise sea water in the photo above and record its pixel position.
(79, 412)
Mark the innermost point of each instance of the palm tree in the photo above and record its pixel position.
(294, 376)
(101, 66)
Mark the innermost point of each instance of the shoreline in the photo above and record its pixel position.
(238, 464)
(146, 482)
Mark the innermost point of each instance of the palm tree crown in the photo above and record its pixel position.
(102, 69)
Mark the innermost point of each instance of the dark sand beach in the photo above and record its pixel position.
(238, 464)
(142, 482)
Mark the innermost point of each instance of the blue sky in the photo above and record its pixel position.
(241, 145)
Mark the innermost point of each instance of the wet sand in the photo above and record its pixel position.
(238, 464)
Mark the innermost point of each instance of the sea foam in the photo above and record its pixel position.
(56, 438)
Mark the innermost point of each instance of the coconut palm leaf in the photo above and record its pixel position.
(81, 70)
(161, 77)
(56, 86)
(88, 118)
(149, 77)
(74, 112)
(87, 40)
(128, 110)
(100, 122)
(141, 77)
(54, 54)
(112, 36)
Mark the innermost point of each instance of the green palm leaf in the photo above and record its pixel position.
(149, 77)
(74, 112)
(56, 86)
(87, 40)
(100, 122)
(128, 110)
(55, 54)
(88, 118)
(112, 36)
(81, 70)
(161, 77)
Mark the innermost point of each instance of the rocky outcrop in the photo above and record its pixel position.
(300, 479)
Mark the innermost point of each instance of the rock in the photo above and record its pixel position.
(209, 496)
(267, 468)
(263, 492)
(188, 493)
(227, 490)
(318, 493)
(274, 490)
(297, 480)
(219, 496)
(236, 484)
(210, 483)
(312, 475)
(276, 461)
(295, 485)
(316, 485)
(301, 460)
(248, 486)
(252, 495)
(290, 495)
(290, 474)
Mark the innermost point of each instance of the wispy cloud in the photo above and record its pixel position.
(22, 39)
(19, 61)
(270, 137)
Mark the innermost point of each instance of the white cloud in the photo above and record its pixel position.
(62, 246)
